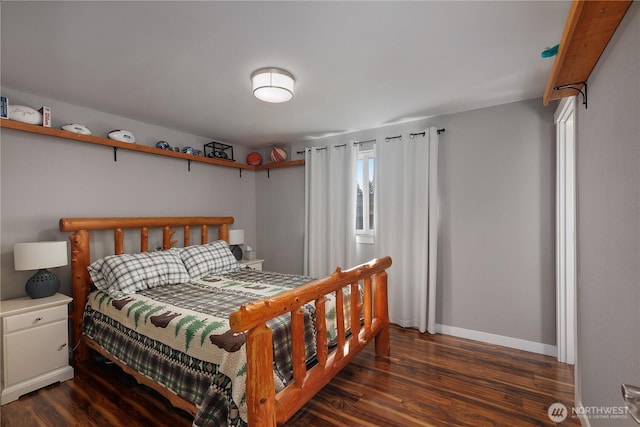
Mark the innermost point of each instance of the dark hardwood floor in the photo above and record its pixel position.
(429, 380)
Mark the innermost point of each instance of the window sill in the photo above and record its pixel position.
(364, 239)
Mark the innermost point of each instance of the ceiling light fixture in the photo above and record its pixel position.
(272, 85)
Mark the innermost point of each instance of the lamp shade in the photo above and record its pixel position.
(272, 85)
(38, 255)
(236, 237)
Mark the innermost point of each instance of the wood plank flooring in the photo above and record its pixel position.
(429, 380)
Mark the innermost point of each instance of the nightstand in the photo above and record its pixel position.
(35, 344)
(254, 264)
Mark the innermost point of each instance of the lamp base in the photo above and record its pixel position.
(42, 284)
(236, 251)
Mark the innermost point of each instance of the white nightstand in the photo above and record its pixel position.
(254, 264)
(35, 347)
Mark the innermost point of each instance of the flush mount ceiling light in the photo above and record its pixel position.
(272, 85)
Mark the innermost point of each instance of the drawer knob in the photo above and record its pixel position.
(38, 319)
(62, 346)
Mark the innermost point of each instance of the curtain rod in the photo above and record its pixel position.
(389, 138)
(413, 135)
(364, 141)
(321, 148)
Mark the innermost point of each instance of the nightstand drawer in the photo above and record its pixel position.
(33, 352)
(34, 318)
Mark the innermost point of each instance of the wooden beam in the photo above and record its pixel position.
(75, 224)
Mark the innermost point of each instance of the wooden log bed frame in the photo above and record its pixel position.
(265, 407)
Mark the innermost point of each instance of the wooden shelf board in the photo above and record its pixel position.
(589, 27)
(59, 133)
(274, 165)
(25, 127)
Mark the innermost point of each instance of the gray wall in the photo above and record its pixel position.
(498, 222)
(45, 178)
(280, 216)
(496, 269)
(608, 218)
(497, 256)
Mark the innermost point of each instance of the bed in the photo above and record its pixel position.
(233, 350)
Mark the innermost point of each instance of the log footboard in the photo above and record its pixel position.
(368, 319)
(267, 408)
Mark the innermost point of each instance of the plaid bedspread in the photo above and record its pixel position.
(179, 336)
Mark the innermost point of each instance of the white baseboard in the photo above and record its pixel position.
(584, 421)
(517, 343)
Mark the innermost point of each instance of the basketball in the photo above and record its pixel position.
(278, 154)
(254, 159)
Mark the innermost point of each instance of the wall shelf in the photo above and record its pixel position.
(589, 27)
(41, 130)
(280, 164)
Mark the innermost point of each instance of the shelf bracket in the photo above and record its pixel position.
(189, 165)
(115, 154)
(575, 86)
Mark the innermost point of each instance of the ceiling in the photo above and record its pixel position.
(357, 65)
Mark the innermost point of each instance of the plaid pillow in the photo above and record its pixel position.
(212, 258)
(128, 273)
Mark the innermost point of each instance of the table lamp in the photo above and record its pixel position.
(236, 237)
(40, 256)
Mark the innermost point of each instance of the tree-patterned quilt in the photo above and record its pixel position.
(179, 336)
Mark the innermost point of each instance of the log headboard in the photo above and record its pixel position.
(81, 254)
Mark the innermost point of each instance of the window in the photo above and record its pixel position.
(365, 196)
